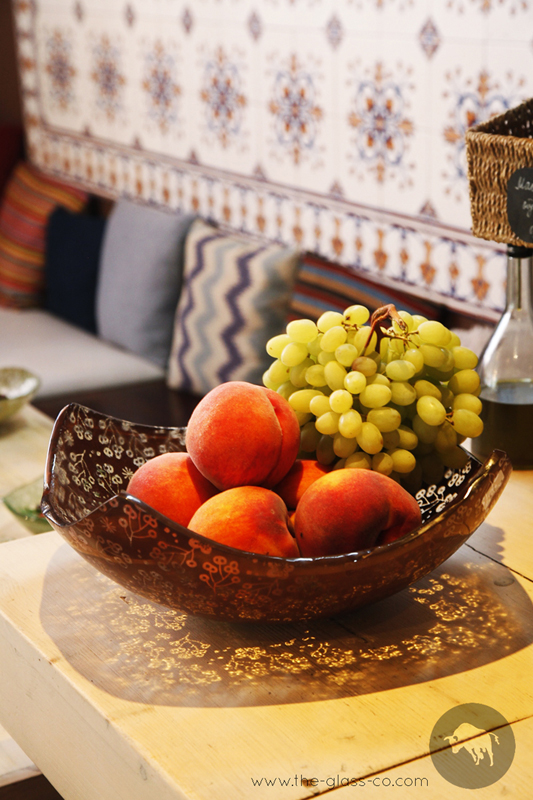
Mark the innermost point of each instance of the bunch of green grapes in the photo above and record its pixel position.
(398, 395)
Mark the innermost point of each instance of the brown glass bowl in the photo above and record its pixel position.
(90, 460)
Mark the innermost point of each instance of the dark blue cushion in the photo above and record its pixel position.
(73, 245)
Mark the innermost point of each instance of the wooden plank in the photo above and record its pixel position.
(172, 706)
(507, 536)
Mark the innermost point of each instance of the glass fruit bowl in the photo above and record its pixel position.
(17, 387)
(90, 460)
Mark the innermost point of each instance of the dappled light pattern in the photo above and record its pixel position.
(462, 616)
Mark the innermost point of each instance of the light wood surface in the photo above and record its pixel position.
(114, 697)
(23, 446)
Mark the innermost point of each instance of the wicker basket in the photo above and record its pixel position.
(494, 151)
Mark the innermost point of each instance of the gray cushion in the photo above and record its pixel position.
(140, 278)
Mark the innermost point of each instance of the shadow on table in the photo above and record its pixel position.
(468, 612)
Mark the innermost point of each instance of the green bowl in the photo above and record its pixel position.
(25, 504)
(17, 387)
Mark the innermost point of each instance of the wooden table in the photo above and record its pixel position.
(115, 698)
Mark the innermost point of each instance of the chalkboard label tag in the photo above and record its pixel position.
(520, 203)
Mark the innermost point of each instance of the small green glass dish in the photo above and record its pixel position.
(25, 504)
(17, 387)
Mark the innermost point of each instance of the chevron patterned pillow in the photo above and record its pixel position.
(235, 296)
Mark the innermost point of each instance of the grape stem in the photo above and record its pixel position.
(382, 314)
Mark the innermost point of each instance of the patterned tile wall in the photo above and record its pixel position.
(336, 125)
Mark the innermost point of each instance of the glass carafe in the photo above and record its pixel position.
(506, 370)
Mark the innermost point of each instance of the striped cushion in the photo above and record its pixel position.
(29, 198)
(321, 286)
(235, 296)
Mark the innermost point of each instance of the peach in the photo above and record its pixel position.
(171, 484)
(347, 510)
(248, 518)
(300, 476)
(240, 434)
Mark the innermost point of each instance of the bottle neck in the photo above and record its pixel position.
(519, 272)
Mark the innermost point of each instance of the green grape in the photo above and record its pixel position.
(433, 356)
(455, 341)
(433, 332)
(270, 384)
(384, 350)
(334, 374)
(319, 405)
(466, 423)
(346, 354)
(423, 448)
(278, 372)
(315, 375)
(333, 338)
(342, 446)
(360, 337)
(328, 423)
(375, 396)
(367, 366)
(418, 319)
(415, 357)
(277, 344)
(423, 387)
(301, 399)
(408, 438)
(403, 460)
(447, 397)
(359, 460)
(378, 379)
(339, 464)
(302, 330)
(402, 393)
(370, 439)
(293, 354)
(446, 438)
(315, 347)
(431, 410)
(309, 437)
(466, 381)
(408, 319)
(456, 458)
(329, 319)
(350, 424)
(297, 374)
(356, 315)
(426, 433)
(396, 348)
(464, 358)
(340, 401)
(391, 439)
(468, 401)
(385, 419)
(303, 418)
(400, 370)
(324, 357)
(355, 382)
(325, 453)
(286, 389)
(382, 462)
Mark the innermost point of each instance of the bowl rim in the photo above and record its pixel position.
(484, 468)
(25, 374)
